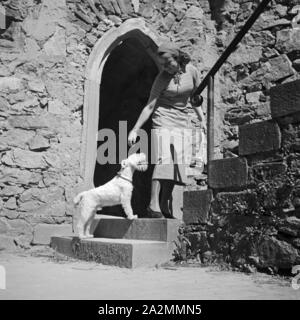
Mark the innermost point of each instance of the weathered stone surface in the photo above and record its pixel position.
(10, 83)
(51, 124)
(245, 55)
(4, 226)
(11, 191)
(44, 25)
(43, 232)
(136, 5)
(266, 171)
(259, 137)
(273, 70)
(263, 110)
(38, 142)
(17, 138)
(194, 12)
(18, 176)
(272, 252)
(7, 243)
(46, 195)
(139, 229)
(228, 173)
(57, 107)
(285, 99)
(11, 203)
(253, 97)
(199, 242)
(29, 122)
(279, 67)
(180, 5)
(239, 115)
(288, 40)
(21, 231)
(28, 105)
(36, 85)
(30, 206)
(236, 203)
(119, 252)
(25, 159)
(56, 45)
(196, 205)
(4, 71)
(264, 39)
(4, 106)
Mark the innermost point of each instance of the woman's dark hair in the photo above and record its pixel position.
(183, 59)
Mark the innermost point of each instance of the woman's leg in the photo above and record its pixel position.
(155, 189)
(167, 187)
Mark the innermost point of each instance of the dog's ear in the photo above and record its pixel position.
(123, 163)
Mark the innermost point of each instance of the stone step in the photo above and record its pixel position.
(138, 229)
(126, 253)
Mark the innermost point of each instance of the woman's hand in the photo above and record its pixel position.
(132, 137)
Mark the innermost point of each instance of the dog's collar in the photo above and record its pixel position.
(127, 179)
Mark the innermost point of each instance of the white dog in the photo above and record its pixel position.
(116, 191)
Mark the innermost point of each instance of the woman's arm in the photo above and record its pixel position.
(200, 116)
(197, 101)
(145, 114)
(147, 111)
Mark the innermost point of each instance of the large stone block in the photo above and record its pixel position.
(139, 229)
(126, 253)
(56, 45)
(10, 83)
(273, 70)
(25, 159)
(11, 191)
(44, 25)
(29, 122)
(278, 68)
(274, 253)
(7, 243)
(196, 205)
(18, 176)
(43, 232)
(17, 137)
(259, 137)
(237, 203)
(285, 99)
(266, 171)
(288, 40)
(228, 173)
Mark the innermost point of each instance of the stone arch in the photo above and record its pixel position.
(132, 28)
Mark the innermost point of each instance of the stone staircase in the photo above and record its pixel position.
(123, 243)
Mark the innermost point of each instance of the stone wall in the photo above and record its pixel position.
(268, 55)
(44, 51)
(250, 216)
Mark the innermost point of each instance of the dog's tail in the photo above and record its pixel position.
(78, 198)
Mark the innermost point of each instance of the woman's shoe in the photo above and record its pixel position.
(153, 214)
(168, 215)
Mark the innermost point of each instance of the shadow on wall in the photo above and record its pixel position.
(125, 87)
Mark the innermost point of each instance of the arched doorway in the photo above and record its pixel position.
(120, 73)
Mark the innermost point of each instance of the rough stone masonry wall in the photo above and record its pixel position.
(250, 215)
(43, 55)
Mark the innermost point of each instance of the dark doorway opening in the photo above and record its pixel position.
(126, 82)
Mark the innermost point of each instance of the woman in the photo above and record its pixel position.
(168, 105)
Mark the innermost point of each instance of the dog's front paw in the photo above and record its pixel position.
(132, 217)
